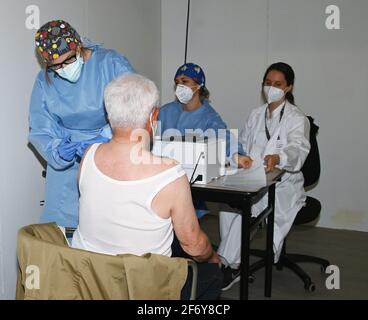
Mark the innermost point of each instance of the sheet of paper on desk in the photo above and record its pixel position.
(254, 177)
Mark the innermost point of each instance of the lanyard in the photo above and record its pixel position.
(266, 129)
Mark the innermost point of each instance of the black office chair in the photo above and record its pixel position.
(310, 212)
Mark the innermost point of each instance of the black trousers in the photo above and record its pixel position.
(210, 277)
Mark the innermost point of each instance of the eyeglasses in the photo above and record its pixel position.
(58, 66)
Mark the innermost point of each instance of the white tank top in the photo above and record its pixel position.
(115, 217)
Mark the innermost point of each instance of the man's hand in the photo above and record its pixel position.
(243, 161)
(271, 161)
(215, 258)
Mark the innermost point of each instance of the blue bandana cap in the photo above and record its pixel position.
(192, 71)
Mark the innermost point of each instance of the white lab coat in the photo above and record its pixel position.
(293, 148)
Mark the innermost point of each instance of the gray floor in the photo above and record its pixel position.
(346, 249)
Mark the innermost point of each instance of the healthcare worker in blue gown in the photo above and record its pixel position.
(192, 111)
(67, 111)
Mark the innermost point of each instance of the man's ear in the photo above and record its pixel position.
(155, 113)
(152, 119)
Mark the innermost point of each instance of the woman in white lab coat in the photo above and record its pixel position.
(277, 134)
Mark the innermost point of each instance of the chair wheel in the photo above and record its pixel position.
(251, 278)
(311, 287)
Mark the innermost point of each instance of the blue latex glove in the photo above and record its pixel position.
(67, 149)
(85, 144)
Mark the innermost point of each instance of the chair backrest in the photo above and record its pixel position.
(72, 274)
(312, 166)
(311, 171)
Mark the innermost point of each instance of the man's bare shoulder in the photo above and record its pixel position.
(163, 163)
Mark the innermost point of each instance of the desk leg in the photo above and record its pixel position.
(244, 266)
(269, 247)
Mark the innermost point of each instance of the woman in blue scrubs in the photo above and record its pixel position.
(67, 111)
(192, 111)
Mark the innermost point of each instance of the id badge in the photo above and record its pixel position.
(279, 145)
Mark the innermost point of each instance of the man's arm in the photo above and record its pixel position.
(192, 239)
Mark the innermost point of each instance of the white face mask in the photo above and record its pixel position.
(184, 93)
(72, 71)
(273, 94)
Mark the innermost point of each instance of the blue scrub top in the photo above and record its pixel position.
(61, 109)
(173, 116)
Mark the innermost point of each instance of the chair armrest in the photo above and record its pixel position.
(193, 291)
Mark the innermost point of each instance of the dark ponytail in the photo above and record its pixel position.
(204, 94)
(289, 75)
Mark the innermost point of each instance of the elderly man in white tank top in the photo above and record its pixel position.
(132, 201)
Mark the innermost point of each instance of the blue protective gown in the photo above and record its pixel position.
(173, 116)
(61, 109)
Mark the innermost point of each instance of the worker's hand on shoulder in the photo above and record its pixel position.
(85, 144)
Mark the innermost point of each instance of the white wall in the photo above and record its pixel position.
(236, 40)
(133, 27)
(129, 26)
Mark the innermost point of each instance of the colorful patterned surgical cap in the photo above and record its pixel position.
(55, 38)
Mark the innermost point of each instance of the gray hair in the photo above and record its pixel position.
(129, 100)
